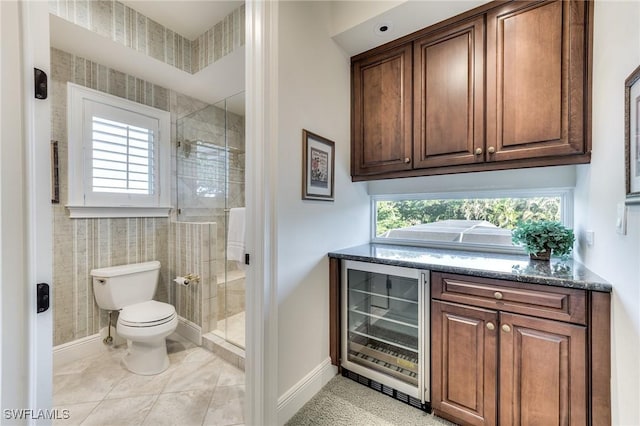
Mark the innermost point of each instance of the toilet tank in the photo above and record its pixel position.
(118, 286)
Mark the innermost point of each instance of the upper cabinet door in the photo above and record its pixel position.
(381, 112)
(535, 80)
(449, 96)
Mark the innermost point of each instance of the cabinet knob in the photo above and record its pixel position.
(491, 150)
(497, 295)
(407, 160)
(490, 326)
(506, 328)
(478, 151)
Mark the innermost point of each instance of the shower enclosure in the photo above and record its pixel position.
(210, 172)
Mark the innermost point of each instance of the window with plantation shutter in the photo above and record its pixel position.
(118, 156)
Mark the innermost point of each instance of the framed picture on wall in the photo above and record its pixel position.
(632, 136)
(318, 161)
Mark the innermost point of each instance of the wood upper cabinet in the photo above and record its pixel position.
(536, 80)
(505, 85)
(448, 84)
(381, 112)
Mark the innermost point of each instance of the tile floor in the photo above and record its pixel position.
(198, 388)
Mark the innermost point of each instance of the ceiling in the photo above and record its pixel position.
(186, 17)
(401, 18)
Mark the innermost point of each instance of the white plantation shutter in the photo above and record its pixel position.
(122, 157)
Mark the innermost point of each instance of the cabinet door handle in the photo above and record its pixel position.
(497, 295)
(491, 150)
(506, 328)
(407, 160)
(490, 326)
(478, 151)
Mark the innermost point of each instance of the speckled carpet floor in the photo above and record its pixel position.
(345, 402)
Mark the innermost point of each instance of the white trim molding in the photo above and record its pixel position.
(300, 393)
(189, 331)
(261, 79)
(77, 350)
(84, 212)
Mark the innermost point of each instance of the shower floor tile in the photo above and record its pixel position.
(235, 326)
(100, 391)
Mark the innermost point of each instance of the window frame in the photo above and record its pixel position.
(83, 202)
(566, 213)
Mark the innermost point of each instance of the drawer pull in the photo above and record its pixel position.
(490, 326)
(497, 295)
(506, 328)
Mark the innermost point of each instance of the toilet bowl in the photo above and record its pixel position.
(144, 322)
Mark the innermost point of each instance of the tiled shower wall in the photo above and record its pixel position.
(125, 26)
(195, 247)
(84, 244)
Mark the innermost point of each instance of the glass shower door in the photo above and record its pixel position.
(231, 313)
(210, 187)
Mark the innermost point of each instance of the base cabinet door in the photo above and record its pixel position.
(542, 372)
(464, 362)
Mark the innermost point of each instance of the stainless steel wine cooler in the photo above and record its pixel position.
(385, 326)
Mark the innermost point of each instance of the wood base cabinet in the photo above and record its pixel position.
(509, 353)
(464, 363)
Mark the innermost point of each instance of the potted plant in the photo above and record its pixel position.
(543, 238)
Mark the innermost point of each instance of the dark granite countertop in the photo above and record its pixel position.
(558, 272)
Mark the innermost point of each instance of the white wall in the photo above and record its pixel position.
(313, 94)
(13, 352)
(347, 14)
(600, 187)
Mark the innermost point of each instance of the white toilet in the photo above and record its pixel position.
(144, 322)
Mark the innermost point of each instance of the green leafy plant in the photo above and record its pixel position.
(544, 236)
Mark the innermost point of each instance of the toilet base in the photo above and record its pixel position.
(147, 358)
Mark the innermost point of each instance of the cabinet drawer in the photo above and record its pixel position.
(558, 303)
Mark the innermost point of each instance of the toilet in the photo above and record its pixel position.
(144, 322)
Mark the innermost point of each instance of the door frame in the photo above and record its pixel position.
(261, 80)
(39, 235)
(261, 87)
(25, 178)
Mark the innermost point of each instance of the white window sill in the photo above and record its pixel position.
(93, 212)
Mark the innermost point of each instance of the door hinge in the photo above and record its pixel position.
(42, 297)
(40, 83)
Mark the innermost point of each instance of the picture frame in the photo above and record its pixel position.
(318, 167)
(632, 136)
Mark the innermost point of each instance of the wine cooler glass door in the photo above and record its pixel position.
(382, 339)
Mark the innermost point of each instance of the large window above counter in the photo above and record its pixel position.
(479, 220)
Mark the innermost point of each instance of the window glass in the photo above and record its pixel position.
(470, 221)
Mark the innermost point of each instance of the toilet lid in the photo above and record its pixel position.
(147, 313)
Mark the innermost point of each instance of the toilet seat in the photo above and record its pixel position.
(147, 314)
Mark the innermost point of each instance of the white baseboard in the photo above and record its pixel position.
(189, 330)
(300, 393)
(93, 345)
(78, 349)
